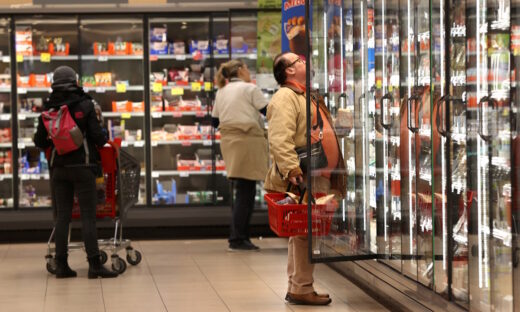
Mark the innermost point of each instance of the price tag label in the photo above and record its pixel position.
(25, 176)
(100, 90)
(124, 143)
(186, 143)
(50, 90)
(103, 58)
(156, 115)
(5, 117)
(154, 143)
(46, 176)
(45, 57)
(177, 114)
(224, 173)
(126, 115)
(200, 114)
(180, 57)
(19, 58)
(22, 91)
(379, 84)
(21, 145)
(208, 86)
(139, 144)
(157, 87)
(6, 59)
(121, 88)
(86, 89)
(155, 174)
(195, 86)
(153, 58)
(206, 142)
(184, 174)
(36, 176)
(177, 91)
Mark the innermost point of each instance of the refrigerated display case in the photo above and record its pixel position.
(434, 142)
(42, 45)
(112, 74)
(164, 119)
(6, 141)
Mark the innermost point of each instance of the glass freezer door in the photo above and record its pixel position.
(387, 129)
(489, 156)
(342, 40)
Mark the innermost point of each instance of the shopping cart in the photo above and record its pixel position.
(120, 189)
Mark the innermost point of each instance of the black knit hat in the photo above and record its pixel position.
(64, 77)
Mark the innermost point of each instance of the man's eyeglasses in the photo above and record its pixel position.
(296, 61)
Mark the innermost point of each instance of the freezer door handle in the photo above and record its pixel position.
(442, 109)
(488, 135)
(386, 113)
(412, 102)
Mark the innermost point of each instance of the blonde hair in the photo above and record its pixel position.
(228, 70)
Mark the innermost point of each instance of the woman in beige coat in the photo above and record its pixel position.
(237, 114)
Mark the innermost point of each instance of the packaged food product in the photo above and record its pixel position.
(158, 48)
(188, 163)
(158, 34)
(23, 82)
(38, 80)
(88, 81)
(121, 106)
(102, 48)
(137, 48)
(201, 46)
(103, 79)
(220, 45)
(5, 80)
(58, 47)
(188, 132)
(179, 77)
(137, 106)
(179, 47)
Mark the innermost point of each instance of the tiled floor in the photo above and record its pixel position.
(197, 275)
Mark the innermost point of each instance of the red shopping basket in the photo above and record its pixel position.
(291, 219)
(107, 208)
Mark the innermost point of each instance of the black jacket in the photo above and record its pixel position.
(81, 109)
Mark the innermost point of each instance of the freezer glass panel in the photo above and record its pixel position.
(515, 147)
(387, 129)
(182, 138)
(256, 40)
(112, 73)
(6, 158)
(341, 40)
(42, 44)
(489, 154)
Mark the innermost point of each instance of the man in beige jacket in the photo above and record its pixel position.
(286, 115)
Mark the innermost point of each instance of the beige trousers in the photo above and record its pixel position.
(299, 268)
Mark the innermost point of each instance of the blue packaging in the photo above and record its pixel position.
(293, 26)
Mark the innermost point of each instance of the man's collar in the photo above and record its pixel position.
(294, 86)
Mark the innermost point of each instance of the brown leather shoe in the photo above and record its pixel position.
(308, 299)
(322, 295)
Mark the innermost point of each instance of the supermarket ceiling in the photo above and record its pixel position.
(96, 6)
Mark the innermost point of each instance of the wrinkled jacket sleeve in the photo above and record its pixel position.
(94, 130)
(282, 121)
(41, 137)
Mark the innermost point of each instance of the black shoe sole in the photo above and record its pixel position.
(301, 302)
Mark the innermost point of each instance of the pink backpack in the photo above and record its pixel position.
(62, 129)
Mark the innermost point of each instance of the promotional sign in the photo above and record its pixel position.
(269, 41)
(293, 26)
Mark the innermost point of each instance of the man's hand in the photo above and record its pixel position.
(296, 180)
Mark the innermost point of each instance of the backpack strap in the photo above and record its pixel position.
(87, 152)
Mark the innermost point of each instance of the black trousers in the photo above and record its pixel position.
(66, 182)
(242, 209)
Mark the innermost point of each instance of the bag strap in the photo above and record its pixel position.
(318, 117)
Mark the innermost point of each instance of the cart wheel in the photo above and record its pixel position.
(51, 265)
(133, 256)
(118, 265)
(103, 255)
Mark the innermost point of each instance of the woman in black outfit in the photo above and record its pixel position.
(74, 172)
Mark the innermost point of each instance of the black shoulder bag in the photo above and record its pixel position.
(318, 157)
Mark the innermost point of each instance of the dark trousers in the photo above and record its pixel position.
(242, 209)
(66, 182)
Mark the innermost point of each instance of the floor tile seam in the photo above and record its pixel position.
(331, 290)
(45, 294)
(258, 275)
(154, 281)
(102, 295)
(211, 284)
